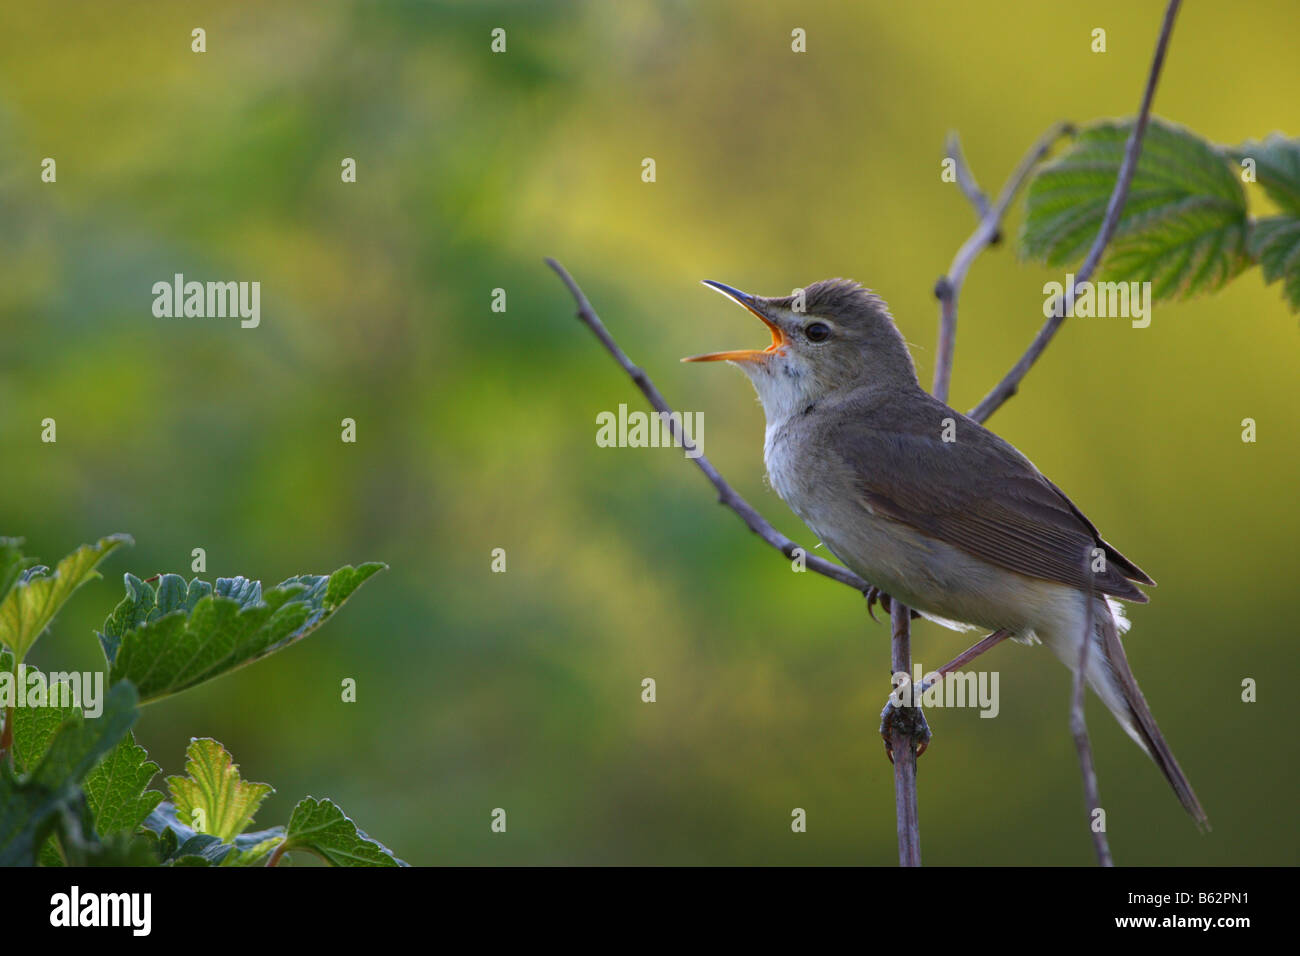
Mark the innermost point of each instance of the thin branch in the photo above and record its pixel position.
(903, 746)
(726, 494)
(952, 149)
(1011, 381)
(987, 232)
(1079, 728)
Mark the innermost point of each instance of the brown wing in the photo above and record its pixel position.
(981, 495)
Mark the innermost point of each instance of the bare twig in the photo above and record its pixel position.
(1011, 381)
(903, 747)
(726, 494)
(987, 232)
(965, 179)
(1079, 728)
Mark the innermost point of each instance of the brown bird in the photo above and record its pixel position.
(930, 506)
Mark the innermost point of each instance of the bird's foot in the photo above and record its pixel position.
(909, 722)
(877, 596)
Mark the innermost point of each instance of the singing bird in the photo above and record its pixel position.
(927, 504)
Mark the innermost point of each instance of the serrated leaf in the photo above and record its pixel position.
(49, 798)
(35, 598)
(1183, 227)
(320, 827)
(1275, 242)
(197, 636)
(146, 602)
(1277, 168)
(225, 801)
(117, 789)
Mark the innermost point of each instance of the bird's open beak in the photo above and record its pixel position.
(742, 355)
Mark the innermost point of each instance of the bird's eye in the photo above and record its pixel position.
(817, 332)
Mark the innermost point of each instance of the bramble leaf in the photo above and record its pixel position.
(168, 638)
(320, 827)
(1275, 242)
(36, 595)
(214, 800)
(1183, 227)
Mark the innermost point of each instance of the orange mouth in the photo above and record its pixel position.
(742, 355)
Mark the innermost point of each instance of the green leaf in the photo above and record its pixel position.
(49, 799)
(115, 788)
(1183, 227)
(36, 595)
(320, 827)
(214, 799)
(168, 638)
(1277, 168)
(1275, 242)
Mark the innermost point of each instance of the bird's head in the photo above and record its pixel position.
(833, 336)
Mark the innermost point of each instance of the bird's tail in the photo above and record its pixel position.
(1111, 678)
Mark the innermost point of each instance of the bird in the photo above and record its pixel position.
(930, 506)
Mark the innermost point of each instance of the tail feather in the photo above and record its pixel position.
(1111, 678)
(1140, 722)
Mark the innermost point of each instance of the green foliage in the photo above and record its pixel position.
(115, 788)
(74, 786)
(214, 798)
(1184, 228)
(34, 595)
(1275, 242)
(48, 800)
(168, 638)
(1277, 169)
(320, 827)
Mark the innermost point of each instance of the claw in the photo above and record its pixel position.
(875, 595)
(910, 722)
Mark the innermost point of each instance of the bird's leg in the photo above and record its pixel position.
(910, 720)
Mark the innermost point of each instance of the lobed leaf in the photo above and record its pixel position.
(320, 827)
(35, 596)
(1183, 227)
(172, 636)
(214, 799)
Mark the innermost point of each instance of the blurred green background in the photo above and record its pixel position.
(476, 430)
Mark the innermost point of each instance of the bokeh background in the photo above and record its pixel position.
(476, 430)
